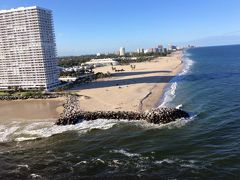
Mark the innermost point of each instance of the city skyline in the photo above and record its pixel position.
(93, 26)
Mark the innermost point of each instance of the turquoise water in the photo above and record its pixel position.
(206, 146)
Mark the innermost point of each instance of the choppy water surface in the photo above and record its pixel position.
(205, 146)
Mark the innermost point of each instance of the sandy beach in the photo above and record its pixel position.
(132, 90)
(30, 110)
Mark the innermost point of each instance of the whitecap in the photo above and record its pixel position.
(35, 176)
(19, 139)
(124, 152)
(23, 166)
(5, 134)
(179, 123)
(181, 163)
(179, 106)
(170, 91)
(31, 131)
(100, 160)
(169, 161)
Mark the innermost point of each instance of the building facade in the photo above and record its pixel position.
(160, 48)
(122, 51)
(139, 51)
(103, 62)
(27, 49)
(172, 47)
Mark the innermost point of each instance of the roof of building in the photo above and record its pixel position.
(21, 9)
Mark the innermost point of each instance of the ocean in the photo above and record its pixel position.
(205, 146)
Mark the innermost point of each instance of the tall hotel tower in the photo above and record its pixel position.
(27, 49)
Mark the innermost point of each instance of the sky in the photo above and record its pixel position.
(102, 26)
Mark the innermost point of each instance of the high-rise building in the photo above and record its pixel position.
(139, 51)
(172, 47)
(27, 49)
(160, 48)
(122, 51)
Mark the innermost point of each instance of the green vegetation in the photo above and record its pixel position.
(70, 61)
(28, 93)
(4, 93)
(141, 55)
(72, 73)
(19, 92)
(101, 75)
(139, 59)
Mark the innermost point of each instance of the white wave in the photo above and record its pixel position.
(35, 176)
(189, 165)
(181, 163)
(19, 139)
(169, 161)
(124, 152)
(179, 106)
(26, 132)
(51, 129)
(23, 166)
(81, 162)
(179, 123)
(100, 160)
(6, 132)
(170, 92)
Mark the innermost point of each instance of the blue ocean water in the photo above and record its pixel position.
(210, 90)
(206, 146)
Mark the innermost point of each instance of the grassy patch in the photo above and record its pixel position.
(27, 94)
(4, 93)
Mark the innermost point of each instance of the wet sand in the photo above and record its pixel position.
(30, 110)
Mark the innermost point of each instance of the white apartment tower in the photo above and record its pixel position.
(27, 49)
(122, 51)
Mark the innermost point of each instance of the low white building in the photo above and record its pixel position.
(73, 79)
(74, 68)
(68, 79)
(102, 62)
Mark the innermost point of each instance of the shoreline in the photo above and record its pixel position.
(157, 102)
(132, 90)
(135, 90)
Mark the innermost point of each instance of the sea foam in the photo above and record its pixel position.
(170, 91)
(35, 130)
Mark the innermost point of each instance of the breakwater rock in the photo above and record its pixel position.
(71, 108)
(73, 115)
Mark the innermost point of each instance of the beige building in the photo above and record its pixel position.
(27, 49)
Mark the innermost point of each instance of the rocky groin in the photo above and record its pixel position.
(71, 109)
(73, 115)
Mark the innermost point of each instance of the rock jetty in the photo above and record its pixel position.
(71, 108)
(73, 115)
